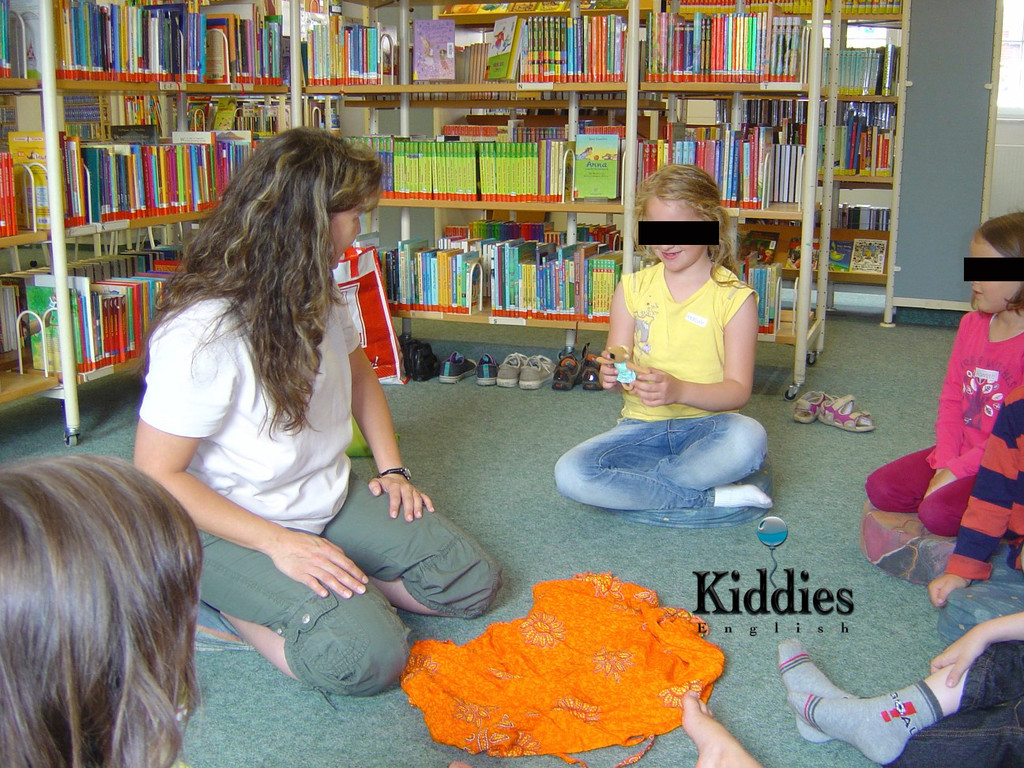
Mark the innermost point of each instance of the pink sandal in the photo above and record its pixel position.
(805, 410)
(839, 412)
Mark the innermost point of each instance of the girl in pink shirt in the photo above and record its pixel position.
(986, 363)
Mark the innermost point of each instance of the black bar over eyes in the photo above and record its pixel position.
(677, 233)
(993, 269)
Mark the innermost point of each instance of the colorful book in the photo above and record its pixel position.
(433, 50)
(868, 255)
(840, 255)
(596, 167)
(504, 52)
(758, 247)
(28, 151)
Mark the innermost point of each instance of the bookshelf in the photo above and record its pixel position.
(170, 74)
(638, 101)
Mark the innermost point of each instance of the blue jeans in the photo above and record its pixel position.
(988, 730)
(656, 471)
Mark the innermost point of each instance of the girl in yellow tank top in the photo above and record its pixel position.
(680, 455)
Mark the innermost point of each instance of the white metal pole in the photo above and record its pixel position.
(629, 160)
(808, 197)
(55, 191)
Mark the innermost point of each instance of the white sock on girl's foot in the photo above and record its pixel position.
(800, 674)
(741, 496)
(880, 727)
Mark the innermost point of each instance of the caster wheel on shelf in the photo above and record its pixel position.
(71, 440)
(812, 358)
(791, 393)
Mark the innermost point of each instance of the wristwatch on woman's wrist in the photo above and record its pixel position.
(397, 471)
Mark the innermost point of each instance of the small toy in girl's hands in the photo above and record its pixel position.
(619, 357)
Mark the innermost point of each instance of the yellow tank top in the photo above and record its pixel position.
(683, 338)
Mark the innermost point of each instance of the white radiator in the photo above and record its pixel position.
(1007, 180)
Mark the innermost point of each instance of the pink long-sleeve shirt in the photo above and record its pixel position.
(979, 376)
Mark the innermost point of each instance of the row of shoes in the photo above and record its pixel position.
(526, 371)
(517, 370)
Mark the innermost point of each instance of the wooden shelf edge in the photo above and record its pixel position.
(492, 205)
(14, 386)
(486, 318)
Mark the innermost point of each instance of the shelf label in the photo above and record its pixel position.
(235, 86)
(535, 86)
(170, 86)
(507, 320)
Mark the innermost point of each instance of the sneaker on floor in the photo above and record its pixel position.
(487, 371)
(456, 368)
(509, 370)
(537, 372)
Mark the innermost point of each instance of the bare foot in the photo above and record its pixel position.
(459, 764)
(716, 747)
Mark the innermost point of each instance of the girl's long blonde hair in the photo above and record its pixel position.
(692, 185)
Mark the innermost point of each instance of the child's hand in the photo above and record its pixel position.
(940, 478)
(961, 654)
(655, 387)
(941, 586)
(609, 374)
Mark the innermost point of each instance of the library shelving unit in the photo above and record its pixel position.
(838, 175)
(569, 97)
(15, 383)
(800, 328)
(890, 184)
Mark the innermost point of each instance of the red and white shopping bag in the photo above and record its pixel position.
(358, 276)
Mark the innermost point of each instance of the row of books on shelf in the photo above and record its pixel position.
(342, 52)
(122, 181)
(545, 6)
(766, 280)
(865, 255)
(862, 149)
(852, 216)
(786, 6)
(751, 170)
(728, 47)
(8, 207)
(113, 303)
(865, 71)
(468, 170)
(227, 42)
(519, 277)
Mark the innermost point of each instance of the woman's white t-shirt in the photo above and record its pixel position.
(201, 384)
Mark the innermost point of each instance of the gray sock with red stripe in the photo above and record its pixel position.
(800, 675)
(878, 727)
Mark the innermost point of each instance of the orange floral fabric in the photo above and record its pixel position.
(596, 663)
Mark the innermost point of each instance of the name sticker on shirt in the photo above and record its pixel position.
(986, 375)
(697, 320)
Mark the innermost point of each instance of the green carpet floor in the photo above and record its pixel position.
(486, 454)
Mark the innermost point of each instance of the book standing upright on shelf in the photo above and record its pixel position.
(868, 255)
(433, 50)
(840, 255)
(28, 151)
(504, 52)
(596, 167)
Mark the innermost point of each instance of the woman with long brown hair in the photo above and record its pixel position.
(255, 372)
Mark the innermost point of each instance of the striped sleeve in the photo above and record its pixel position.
(996, 506)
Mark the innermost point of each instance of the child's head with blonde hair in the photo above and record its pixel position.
(693, 186)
